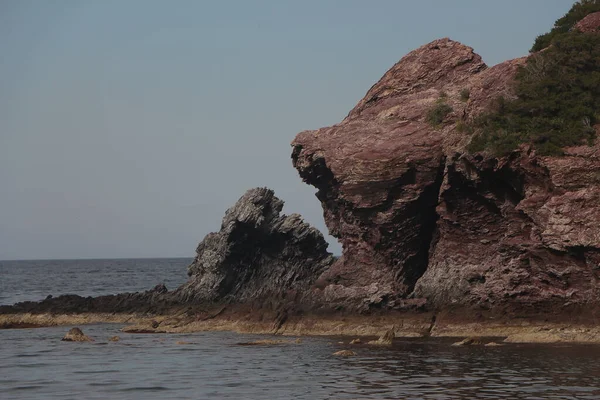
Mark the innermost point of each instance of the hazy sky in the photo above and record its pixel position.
(128, 127)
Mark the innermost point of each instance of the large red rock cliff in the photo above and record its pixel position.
(420, 218)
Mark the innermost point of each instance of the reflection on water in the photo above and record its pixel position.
(37, 365)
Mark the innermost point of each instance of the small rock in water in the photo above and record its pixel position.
(467, 342)
(182, 342)
(114, 339)
(386, 339)
(268, 342)
(493, 344)
(76, 335)
(344, 353)
(355, 341)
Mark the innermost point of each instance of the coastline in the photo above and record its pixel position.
(405, 326)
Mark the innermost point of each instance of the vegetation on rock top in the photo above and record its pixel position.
(566, 23)
(557, 92)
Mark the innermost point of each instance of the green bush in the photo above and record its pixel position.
(557, 104)
(564, 24)
(465, 94)
(436, 114)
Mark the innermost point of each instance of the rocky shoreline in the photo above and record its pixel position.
(352, 326)
(437, 241)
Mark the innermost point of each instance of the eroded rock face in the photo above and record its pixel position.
(419, 217)
(258, 254)
(521, 233)
(379, 172)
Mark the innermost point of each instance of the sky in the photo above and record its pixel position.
(128, 127)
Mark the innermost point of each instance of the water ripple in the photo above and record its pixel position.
(37, 365)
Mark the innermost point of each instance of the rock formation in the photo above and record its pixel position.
(424, 224)
(420, 217)
(76, 335)
(257, 255)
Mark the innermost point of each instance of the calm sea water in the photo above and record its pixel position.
(37, 365)
(34, 280)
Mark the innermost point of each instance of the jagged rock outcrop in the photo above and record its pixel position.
(257, 255)
(258, 258)
(420, 217)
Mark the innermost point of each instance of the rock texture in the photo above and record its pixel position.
(76, 335)
(379, 172)
(522, 232)
(590, 24)
(257, 255)
(419, 217)
(151, 301)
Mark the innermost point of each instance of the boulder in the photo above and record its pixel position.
(467, 342)
(493, 344)
(344, 353)
(76, 335)
(386, 339)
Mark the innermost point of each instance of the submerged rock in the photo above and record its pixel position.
(269, 342)
(258, 254)
(76, 335)
(114, 339)
(493, 344)
(467, 342)
(344, 353)
(386, 339)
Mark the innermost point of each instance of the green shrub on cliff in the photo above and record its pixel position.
(465, 94)
(557, 104)
(436, 114)
(566, 23)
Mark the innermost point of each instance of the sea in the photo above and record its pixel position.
(36, 364)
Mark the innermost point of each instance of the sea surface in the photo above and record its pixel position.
(34, 280)
(35, 364)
